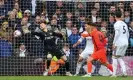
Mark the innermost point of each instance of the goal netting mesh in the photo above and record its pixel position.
(23, 54)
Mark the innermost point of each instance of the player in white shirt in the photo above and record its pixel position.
(85, 53)
(120, 43)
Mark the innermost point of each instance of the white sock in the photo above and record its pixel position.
(123, 65)
(78, 67)
(85, 68)
(114, 64)
(110, 71)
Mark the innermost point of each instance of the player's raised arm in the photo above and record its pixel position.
(78, 42)
(38, 34)
(81, 39)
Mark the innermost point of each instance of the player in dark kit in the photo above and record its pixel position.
(48, 38)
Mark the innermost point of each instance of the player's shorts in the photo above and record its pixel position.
(55, 51)
(120, 50)
(86, 53)
(100, 55)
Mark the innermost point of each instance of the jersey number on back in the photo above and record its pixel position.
(124, 30)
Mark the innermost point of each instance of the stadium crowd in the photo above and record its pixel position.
(68, 18)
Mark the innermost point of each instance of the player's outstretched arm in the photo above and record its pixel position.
(38, 34)
(78, 42)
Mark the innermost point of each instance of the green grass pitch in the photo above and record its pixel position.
(61, 78)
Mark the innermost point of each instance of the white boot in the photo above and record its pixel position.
(45, 73)
(87, 75)
(68, 74)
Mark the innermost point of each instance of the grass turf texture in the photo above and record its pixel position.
(61, 78)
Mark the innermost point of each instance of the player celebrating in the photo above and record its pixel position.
(86, 52)
(120, 43)
(99, 47)
(48, 39)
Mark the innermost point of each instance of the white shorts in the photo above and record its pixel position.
(120, 50)
(86, 53)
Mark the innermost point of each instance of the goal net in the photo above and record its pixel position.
(23, 54)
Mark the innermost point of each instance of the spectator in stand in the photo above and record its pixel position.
(6, 48)
(127, 17)
(81, 22)
(25, 31)
(70, 16)
(37, 20)
(99, 21)
(21, 51)
(61, 5)
(131, 10)
(104, 24)
(53, 5)
(35, 23)
(93, 15)
(60, 16)
(130, 49)
(110, 33)
(6, 32)
(72, 39)
(24, 27)
(54, 25)
(80, 8)
(17, 11)
(112, 10)
(27, 14)
(12, 20)
(97, 5)
(3, 10)
(45, 16)
(68, 28)
(121, 7)
(111, 22)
